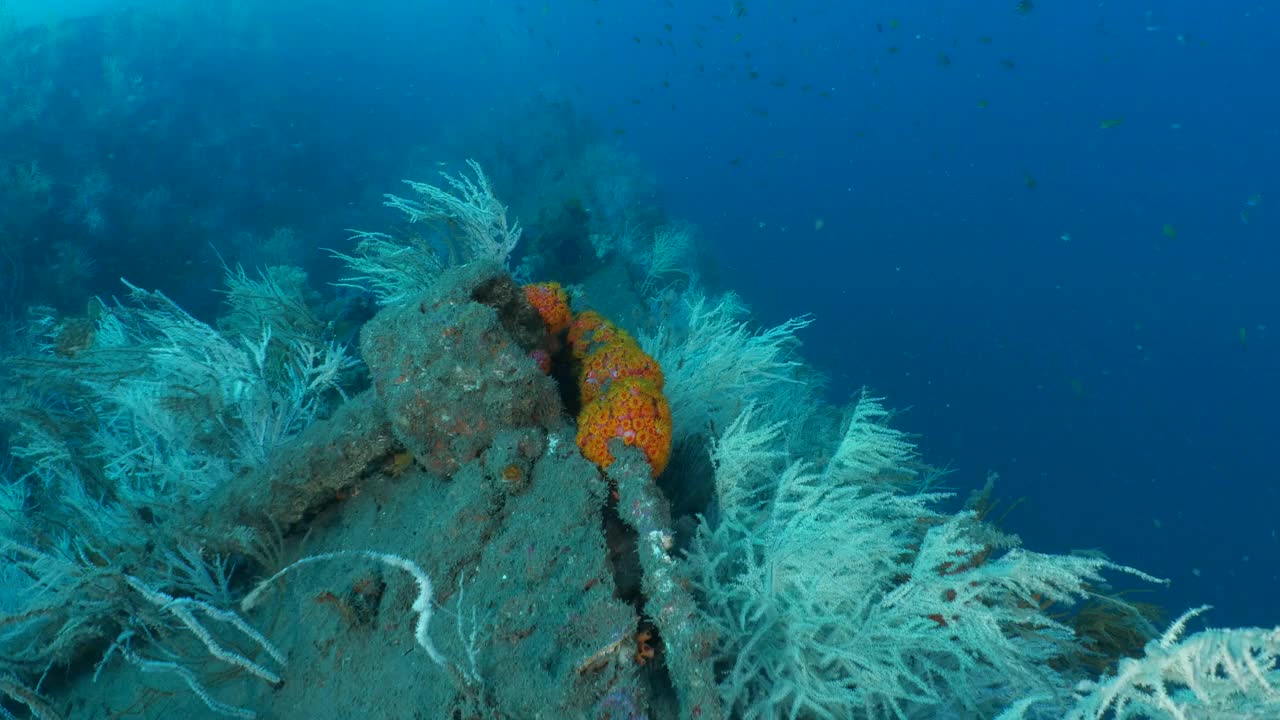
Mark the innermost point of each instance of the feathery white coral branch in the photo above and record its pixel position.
(471, 205)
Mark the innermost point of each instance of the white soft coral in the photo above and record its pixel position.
(1217, 673)
(837, 595)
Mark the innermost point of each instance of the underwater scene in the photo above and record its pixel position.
(696, 359)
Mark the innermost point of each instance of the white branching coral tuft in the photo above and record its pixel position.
(468, 204)
(668, 258)
(869, 447)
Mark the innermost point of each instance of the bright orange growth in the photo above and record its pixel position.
(580, 330)
(552, 303)
(615, 361)
(620, 388)
(633, 410)
(590, 330)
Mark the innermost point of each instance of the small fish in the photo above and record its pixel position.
(1027, 181)
(943, 59)
(1007, 64)
(1169, 231)
(1024, 7)
(1111, 123)
(982, 104)
(1243, 336)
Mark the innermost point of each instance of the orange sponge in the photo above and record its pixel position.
(552, 303)
(635, 411)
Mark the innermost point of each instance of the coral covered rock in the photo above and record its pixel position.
(450, 373)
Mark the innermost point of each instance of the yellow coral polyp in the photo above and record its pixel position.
(633, 410)
(552, 303)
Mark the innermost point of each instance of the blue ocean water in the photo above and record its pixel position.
(1050, 235)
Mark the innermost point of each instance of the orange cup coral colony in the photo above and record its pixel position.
(619, 385)
(613, 362)
(590, 330)
(634, 411)
(552, 303)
